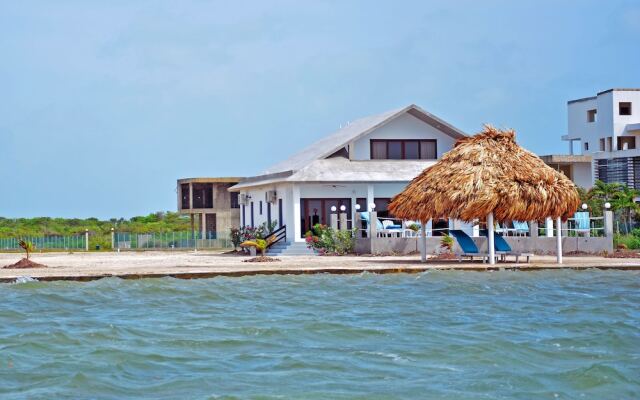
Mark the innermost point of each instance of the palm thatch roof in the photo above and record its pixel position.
(488, 173)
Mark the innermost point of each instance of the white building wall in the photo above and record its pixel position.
(582, 175)
(404, 127)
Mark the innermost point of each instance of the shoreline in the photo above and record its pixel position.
(85, 267)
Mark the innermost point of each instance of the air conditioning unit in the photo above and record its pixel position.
(271, 196)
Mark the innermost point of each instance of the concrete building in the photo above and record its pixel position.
(575, 167)
(365, 163)
(606, 126)
(213, 209)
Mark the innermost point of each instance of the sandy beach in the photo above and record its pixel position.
(88, 266)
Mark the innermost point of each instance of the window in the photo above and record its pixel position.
(602, 144)
(184, 190)
(586, 146)
(624, 108)
(626, 142)
(234, 200)
(591, 115)
(202, 195)
(404, 149)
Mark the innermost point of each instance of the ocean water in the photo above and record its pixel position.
(435, 335)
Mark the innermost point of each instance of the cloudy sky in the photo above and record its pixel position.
(104, 105)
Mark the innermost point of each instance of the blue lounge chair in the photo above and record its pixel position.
(469, 248)
(582, 222)
(522, 228)
(503, 248)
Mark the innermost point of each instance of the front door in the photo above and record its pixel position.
(318, 211)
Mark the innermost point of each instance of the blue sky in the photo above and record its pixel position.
(105, 104)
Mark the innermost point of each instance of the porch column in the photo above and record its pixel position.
(190, 196)
(559, 240)
(492, 250)
(353, 210)
(203, 226)
(370, 197)
(297, 228)
(423, 241)
(548, 227)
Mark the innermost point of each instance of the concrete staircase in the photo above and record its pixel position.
(289, 249)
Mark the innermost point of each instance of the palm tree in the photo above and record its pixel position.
(605, 191)
(27, 246)
(624, 200)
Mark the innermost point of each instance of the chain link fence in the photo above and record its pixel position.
(75, 242)
(171, 240)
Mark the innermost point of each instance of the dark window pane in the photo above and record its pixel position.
(234, 200)
(184, 189)
(395, 150)
(428, 150)
(411, 150)
(378, 150)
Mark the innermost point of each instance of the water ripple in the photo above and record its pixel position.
(438, 334)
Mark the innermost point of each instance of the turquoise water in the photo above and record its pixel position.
(437, 335)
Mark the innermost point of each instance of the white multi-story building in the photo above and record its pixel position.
(606, 126)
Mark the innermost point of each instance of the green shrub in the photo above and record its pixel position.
(629, 241)
(328, 241)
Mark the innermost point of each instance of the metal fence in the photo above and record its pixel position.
(171, 240)
(76, 242)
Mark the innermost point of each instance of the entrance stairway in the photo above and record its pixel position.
(289, 249)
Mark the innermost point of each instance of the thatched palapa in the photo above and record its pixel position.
(483, 174)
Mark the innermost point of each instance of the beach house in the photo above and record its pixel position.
(359, 167)
(606, 127)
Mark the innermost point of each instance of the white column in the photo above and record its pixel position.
(203, 225)
(548, 227)
(423, 241)
(333, 221)
(570, 147)
(353, 210)
(113, 239)
(492, 250)
(86, 240)
(297, 228)
(190, 196)
(370, 196)
(559, 239)
(343, 221)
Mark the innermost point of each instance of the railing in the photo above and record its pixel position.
(170, 241)
(276, 236)
(74, 242)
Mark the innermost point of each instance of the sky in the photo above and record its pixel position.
(105, 104)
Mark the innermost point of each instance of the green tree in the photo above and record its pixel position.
(624, 201)
(605, 191)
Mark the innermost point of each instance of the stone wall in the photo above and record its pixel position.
(539, 245)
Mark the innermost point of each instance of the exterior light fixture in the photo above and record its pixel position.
(607, 205)
(372, 206)
(333, 208)
(584, 206)
(357, 207)
(343, 207)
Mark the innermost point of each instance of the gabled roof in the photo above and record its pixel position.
(341, 170)
(353, 131)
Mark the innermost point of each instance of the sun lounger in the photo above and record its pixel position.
(389, 230)
(582, 222)
(469, 248)
(503, 248)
